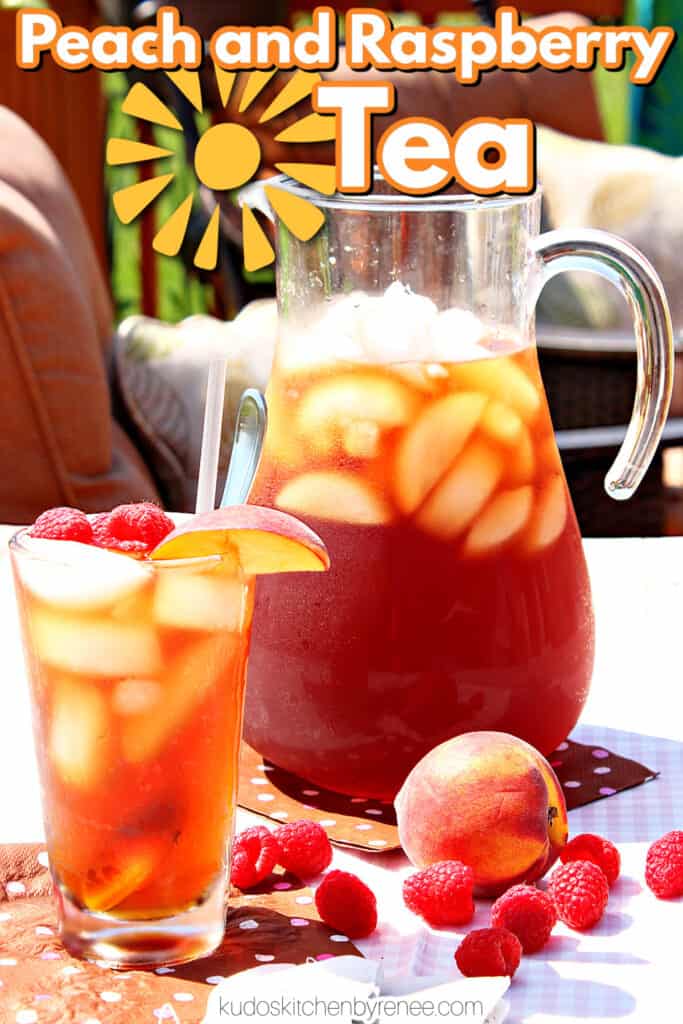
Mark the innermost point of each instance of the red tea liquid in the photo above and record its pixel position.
(137, 712)
(458, 597)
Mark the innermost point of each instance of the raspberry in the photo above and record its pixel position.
(528, 913)
(580, 892)
(135, 529)
(595, 849)
(63, 524)
(441, 893)
(255, 853)
(304, 848)
(664, 866)
(489, 953)
(346, 904)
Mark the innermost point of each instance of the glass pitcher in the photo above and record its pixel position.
(409, 426)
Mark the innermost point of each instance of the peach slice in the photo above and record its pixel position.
(187, 682)
(549, 455)
(334, 495)
(463, 492)
(199, 601)
(136, 696)
(330, 407)
(502, 519)
(78, 736)
(521, 463)
(281, 444)
(502, 424)
(549, 516)
(264, 539)
(362, 439)
(499, 377)
(426, 377)
(96, 579)
(95, 646)
(432, 444)
(106, 893)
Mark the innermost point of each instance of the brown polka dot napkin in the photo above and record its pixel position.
(587, 773)
(40, 983)
(590, 773)
(279, 795)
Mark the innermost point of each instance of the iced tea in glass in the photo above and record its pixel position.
(137, 676)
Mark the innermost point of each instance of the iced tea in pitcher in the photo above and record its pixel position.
(409, 426)
(458, 589)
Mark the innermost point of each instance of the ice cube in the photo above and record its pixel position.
(136, 696)
(186, 683)
(79, 577)
(396, 327)
(330, 339)
(78, 737)
(206, 601)
(329, 408)
(318, 350)
(362, 439)
(456, 335)
(94, 646)
(334, 495)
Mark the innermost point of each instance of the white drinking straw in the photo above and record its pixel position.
(211, 437)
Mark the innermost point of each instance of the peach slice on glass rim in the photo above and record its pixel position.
(264, 540)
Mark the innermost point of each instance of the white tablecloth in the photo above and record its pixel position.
(628, 967)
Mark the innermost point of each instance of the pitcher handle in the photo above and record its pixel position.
(616, 260)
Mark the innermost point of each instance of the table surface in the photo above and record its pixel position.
(625, 969)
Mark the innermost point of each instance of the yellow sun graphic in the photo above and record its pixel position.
(227, 156)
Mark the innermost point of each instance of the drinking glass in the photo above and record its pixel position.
(137, 673)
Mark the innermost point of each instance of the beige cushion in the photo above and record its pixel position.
(630, 191)
(160, 374)
(30, 167)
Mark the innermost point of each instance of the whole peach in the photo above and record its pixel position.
(489, 800)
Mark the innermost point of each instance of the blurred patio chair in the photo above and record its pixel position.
(59, 442)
